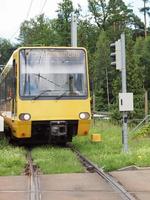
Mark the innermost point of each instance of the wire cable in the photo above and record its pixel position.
(29, 9)
(43, 6)
(28, 13)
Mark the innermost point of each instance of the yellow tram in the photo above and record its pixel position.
(44, 94)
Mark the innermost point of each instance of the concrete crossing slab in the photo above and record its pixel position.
(13, 183)
(76, 195)
(135, 181)
(13, 195)
(13, 188)
(79, 186)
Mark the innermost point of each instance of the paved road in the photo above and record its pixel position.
(135, 181)
(13, 188)
(84, 186)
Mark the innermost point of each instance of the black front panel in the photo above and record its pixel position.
(44, 128)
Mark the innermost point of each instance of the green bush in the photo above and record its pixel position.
(142, 132)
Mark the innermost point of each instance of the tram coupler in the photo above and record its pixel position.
(58, 128)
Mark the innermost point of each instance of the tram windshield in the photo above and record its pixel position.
(52, 73)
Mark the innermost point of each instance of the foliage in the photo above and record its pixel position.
(108, 153)
(99, 12)
(37, 31)
(63, 22)
(12, 159)
(146, 62)
(134, 79)
(144, 131)
(6, 48)
(101, 72)
(145, 10)
(53, 160)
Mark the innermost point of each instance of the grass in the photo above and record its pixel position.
(143, 131)
(54, 160)
(108, 154)
(12, 159)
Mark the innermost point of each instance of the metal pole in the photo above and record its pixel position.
(124, 90)
(73, 31)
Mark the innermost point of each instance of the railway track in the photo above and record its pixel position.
(34, 191)
(33, 182)
(91, 167)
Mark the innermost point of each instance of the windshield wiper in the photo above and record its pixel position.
(40, 76)
(62, 95)
(39, 95)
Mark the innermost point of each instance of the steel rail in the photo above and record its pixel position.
(34, 185)
(125, 195)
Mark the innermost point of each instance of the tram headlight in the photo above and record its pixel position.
(84, 115)
(25, 116)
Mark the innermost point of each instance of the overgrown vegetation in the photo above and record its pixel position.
(109, 154)
(53, 160)
(142, 132)
(12, 159)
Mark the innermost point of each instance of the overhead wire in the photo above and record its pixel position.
(28, 13)
(43, 6)
(29, 9)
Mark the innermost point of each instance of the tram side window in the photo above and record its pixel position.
(3, 93)
(9, 85)
(13, 78)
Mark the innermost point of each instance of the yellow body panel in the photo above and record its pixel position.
(22, 129)
(83, 127)
(51, 110)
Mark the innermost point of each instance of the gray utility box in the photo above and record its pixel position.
(125, 101)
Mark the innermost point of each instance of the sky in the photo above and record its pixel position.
(14, 12)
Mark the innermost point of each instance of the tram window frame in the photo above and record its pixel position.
(8, 86)
(14, 78)
(84, 96)
(3, 92)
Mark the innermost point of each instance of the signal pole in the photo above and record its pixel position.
(125, 99)
(124, 90)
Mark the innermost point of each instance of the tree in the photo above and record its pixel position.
(146, 62)
(112, 14)
(37, 31)
(138, 27)
(145, 10)
(98, 8)
(101, 62)
(135, 75)
(6, 49)
(63, 23)
(87, 37)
